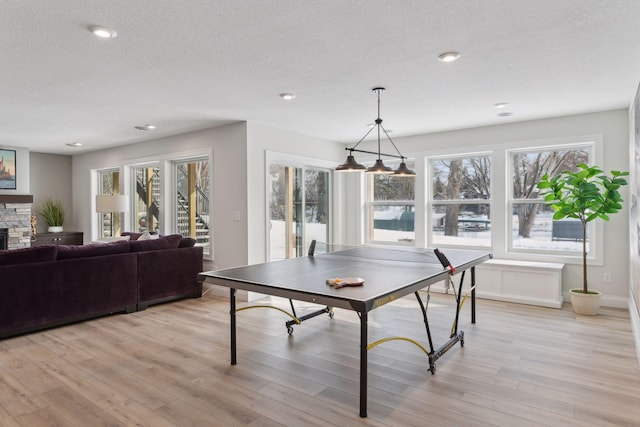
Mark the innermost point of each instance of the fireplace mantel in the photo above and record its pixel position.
(16, 198)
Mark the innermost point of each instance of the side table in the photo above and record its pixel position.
(62, 238)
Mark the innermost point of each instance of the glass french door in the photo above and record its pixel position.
(147, 198)
(192, 194)
(299, 210)
(110, 224)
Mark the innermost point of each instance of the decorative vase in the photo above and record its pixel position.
(55, 229)
(587, 304)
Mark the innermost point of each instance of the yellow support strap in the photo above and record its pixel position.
(370, 346)
(298, 321)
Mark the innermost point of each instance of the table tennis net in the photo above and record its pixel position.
(375, 254)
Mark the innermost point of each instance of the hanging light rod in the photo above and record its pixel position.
(351, 165)
(376, 153)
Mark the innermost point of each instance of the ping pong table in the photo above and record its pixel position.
(389, 274)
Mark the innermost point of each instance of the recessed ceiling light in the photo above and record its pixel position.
(102, 32)
(287, 96)
(448, 56)
(501, 105)
(145, 127)
(505, 114)
(74, 144)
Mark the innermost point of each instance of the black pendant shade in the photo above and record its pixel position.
(351, 165)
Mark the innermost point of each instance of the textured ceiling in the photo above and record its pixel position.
(192, 64)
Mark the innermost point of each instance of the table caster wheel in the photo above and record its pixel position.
(331, 314)
(290, 330)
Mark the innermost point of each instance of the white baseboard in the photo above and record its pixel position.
(606, 301)
(634, 314)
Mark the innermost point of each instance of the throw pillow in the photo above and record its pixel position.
(148, 236)
(112, 239)
(135, 235)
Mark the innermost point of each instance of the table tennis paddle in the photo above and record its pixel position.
(343, 282)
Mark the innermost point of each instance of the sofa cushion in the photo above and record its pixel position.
(187, 242)
(28, 255)
(96, 249)
(165, 242)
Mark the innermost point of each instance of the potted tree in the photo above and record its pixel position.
(585, 195)
(53, 212)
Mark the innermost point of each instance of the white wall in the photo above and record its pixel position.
(51, 177)
(239, 180)
(228, 145)
(613, 128)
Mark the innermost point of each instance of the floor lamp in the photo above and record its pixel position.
(112, 203)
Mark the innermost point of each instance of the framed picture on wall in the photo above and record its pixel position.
(7, 169)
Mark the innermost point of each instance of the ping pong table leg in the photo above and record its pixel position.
(473, 294)
(364, 339)
(232, 313)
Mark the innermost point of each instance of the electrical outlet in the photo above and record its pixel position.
(606, 277)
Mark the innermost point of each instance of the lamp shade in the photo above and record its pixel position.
(403, 170)
(351, 165)
(380, 168)
(112, 203)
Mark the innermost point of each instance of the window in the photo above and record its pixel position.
(461, 200)
(147, 198)
(298, 210)
(110, 224)
(192, 217)
(532, 224)
(391, 206)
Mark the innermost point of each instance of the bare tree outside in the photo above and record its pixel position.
(452, 191)
(461, 179)
(528, 169)
(316, 196)
(389, 187)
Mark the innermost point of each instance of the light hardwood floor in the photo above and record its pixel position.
(169, 366)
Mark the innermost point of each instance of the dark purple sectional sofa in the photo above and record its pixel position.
(47, 286)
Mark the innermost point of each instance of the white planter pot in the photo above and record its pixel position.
(587, 304)
(55, 229)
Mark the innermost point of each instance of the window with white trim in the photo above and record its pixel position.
(530, 220)
(460, 199)
(109, 223)
(391, 206)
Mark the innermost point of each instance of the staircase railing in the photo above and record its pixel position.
(141, 190)
(201, 214)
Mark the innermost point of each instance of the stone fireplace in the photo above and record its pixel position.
(4, 238)
(15, 218)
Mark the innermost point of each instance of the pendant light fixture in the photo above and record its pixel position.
(351, 165)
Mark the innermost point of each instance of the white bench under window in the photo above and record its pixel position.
(525, 282)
